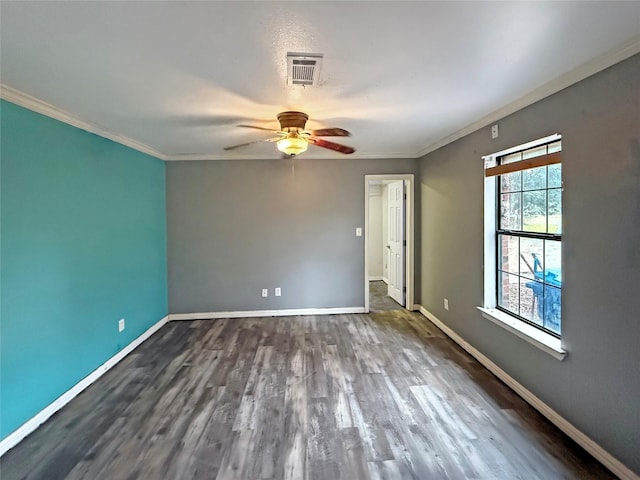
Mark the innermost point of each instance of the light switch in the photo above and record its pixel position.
(358, 231)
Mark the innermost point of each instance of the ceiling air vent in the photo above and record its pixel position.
(303, 68)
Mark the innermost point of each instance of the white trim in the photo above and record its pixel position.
(409, 179)
(599, 453)
(608, 460)
(34, 422)
(545, 342)
(277, 156)
(376, 190)
(579, 73)
(524, 146)
(489, 242)
(375, 278)
(265, 313)
(34, 104)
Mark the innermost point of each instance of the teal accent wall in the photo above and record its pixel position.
(83, 244)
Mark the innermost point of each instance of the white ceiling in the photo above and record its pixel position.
(403, 77)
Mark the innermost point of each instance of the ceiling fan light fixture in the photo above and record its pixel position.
(293, 139)
(292, 145)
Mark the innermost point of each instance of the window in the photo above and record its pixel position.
(526, 233)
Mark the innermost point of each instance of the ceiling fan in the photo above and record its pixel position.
(293, 139)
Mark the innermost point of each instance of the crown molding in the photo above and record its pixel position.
(617, 55)
(34, 104)
(277, 156)
(626, 50)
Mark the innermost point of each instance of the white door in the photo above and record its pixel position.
(395, 243)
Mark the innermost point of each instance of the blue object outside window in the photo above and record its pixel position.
(547, 294)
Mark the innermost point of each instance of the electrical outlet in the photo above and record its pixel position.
(494, 131)
(121, 324)
(446, 304)
(278, 292)
(265, 292)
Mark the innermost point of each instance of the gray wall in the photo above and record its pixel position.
(235, 227)
(597, 386)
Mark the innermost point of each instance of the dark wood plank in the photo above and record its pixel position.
(378, 396)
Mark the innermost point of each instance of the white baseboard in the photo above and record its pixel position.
(608, 460)
(30, 425)
(604, 457)
(265, 313)
(375, 278)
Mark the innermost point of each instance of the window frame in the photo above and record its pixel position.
(538, 337)
(523, 233)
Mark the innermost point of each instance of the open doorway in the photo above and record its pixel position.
(388, 242)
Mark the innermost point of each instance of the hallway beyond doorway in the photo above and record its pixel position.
(379, 301)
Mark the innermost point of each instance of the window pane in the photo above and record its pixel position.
(510, 211)
(553, 263)
(534, 211)
(510, 182)
(529, 269)
(554, 147)
(508, 253)
(514, 157)
(531, 258)
(534, 152)
(553, 282)
(528, 290)
(554, 202)
(509, 291)
(555, 175)
(552, 308)
(537, 290)
(534, 178)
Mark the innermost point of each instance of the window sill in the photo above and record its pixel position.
(545, 342)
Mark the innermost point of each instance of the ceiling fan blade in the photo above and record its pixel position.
(258, 128)
(330, 132)
(275, 139)
(318, 142)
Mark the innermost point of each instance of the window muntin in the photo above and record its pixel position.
(528, 240)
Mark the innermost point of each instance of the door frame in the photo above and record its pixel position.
(408, 233)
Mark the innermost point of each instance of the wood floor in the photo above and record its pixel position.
(379, 301)
(378, 396)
